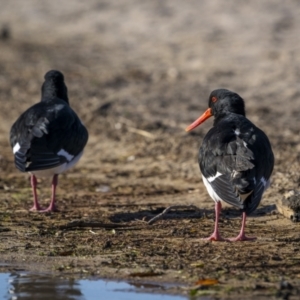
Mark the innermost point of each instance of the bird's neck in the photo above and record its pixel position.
(52, 90)
(228, 116)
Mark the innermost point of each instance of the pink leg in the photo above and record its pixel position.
(36, 206)
(242, 236)
(216, 235)
(52, 206)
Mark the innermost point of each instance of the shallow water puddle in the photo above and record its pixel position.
(32, 286)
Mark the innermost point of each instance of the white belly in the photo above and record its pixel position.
(59, 169)
(210, 190)
(215, 196)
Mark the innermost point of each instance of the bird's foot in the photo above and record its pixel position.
(36, 207)
(215, 237)
(242, 237)
(51, 208)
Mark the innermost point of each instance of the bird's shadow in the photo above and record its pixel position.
(148, 214)
(261, 211)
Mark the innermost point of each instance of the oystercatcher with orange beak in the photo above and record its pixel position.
(235, 158)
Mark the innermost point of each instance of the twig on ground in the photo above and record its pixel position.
(141, 132)
(160, 216)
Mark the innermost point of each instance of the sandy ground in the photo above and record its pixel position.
(138, 72)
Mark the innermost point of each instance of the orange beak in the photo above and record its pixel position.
(207, 114)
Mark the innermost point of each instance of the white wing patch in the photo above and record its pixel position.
(237, 132)
(59, 106)
(265, 182)
(212, 178)
(16, 148)
(64, 153)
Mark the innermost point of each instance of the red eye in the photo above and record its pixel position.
(214, 99)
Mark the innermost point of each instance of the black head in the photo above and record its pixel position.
(54, 86)
(221, 102)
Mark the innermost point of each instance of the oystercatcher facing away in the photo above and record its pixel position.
(48, 138)
(235, 158)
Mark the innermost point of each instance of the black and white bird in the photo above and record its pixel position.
(235, 158)
(48, 138)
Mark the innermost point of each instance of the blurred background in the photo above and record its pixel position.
(138, 72)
